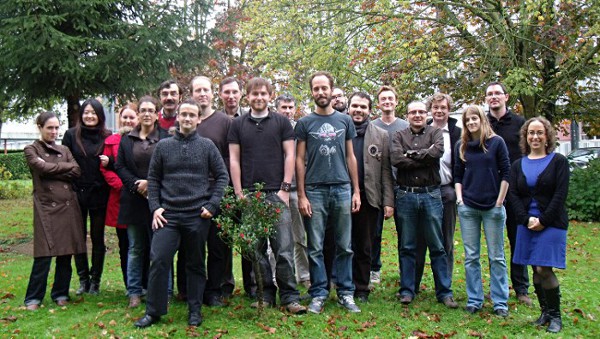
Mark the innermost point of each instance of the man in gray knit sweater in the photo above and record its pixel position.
(182, 204)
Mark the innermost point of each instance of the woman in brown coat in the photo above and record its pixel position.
(56, 215)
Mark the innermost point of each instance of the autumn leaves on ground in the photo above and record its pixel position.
(107, 315)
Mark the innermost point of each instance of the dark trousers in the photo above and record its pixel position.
(218, 264)
(364, 228)
(448, 229)
(519, 276)
(36, 289)
(191, 231)
(123, 251)
(376, 246)
(85, 273)
(181, 274)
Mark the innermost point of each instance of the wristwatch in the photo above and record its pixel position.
(285, 186)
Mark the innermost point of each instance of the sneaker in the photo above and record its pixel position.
(501, 312)
(471, 309)
(450, 303)
(347, 301)
(295, 308)
(375, 277)
(363, 298)
(316, 305)
(405, 299)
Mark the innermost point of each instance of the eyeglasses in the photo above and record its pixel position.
(494, 94)
(147, 111)
(536, 133)
(420, 112)
(335, 97)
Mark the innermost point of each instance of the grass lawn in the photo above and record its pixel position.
(107, 315)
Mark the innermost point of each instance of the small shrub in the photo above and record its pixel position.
(15, 163)
(15, 189)
(583, 202)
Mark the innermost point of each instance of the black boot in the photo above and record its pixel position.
(541, 295)
(553, 299)
(84, 287)
(83, 271)
(96, 271)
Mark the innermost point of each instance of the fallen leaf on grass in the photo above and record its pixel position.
(445, 335)
(343, 328)
(474, 334)
(112, 323)
(368, 324)
(100, 324)
(100, 305)
(16, 331)
(299, 323)
(8, 296)
(218, 335)
(9, 319)
(420, 334)
(190, 331)
(266, 328)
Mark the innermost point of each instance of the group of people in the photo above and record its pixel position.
(337, 173)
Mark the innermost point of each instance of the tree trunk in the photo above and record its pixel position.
(260, 293)
(73, 109)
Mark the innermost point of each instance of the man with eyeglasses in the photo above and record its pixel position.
(416, 152)
(170, 94)
(507, 124)
(339, 101)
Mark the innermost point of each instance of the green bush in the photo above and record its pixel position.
(583, 202)
(15, 163)
(15, 189)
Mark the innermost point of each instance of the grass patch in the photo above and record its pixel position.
(383, 316)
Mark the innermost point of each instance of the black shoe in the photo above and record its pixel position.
(94, 288)
(363, 298)
(501, 312)
(471, 309)
(195, 319)
(84, 287)
(145, 321)
(215, 301)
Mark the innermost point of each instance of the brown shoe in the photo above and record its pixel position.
(134, 301)
(524, 299)
(62, 302)
(295, 308)
(450, 303)
(33, 307)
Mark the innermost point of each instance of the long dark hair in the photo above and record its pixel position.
(99, 109)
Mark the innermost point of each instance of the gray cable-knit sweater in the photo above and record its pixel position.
(179, 172)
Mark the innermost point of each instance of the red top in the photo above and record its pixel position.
(111, 149)
(166, 123)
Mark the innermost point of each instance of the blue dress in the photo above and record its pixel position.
(548, 247)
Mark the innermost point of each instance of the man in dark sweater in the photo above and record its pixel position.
(507, 125)
(182, 201)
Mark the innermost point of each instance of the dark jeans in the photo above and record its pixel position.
(191, 231)
(376, 246)
(123, 251)
(519, 275)
(282, 245)
(364, 226)
(218, 265)
(140, 237)
(448, 229)
(85, 273)
(36, 289)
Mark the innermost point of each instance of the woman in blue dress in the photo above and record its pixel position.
(539, 183)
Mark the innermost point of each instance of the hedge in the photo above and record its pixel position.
(583, 202)
(16, 165)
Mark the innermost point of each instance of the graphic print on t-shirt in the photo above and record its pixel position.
(327, 133)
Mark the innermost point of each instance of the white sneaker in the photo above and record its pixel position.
(347, 302)
(375, 277)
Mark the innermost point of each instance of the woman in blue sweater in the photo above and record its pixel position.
(539, 183)
(481, 181)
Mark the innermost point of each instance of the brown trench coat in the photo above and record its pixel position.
(56, 216)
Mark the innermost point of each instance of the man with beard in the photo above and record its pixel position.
(325, 170)
(371, 148)
(170, 94)
(230, 92)
(507, 125)
(339, 101)
(416, 152)
(214, 126)
(261, 148)
(182, 202)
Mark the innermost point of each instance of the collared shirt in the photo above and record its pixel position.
(422, 168)
(446, 159)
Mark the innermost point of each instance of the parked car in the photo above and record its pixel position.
(580, 158)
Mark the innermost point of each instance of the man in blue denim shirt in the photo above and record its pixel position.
(325, 168)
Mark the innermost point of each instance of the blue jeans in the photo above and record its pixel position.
(331, 207)
(421, 214)
(138, 260)
(282, 244)
(493, 226)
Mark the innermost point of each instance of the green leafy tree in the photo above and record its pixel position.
(72, 49)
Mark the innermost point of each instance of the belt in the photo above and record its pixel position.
(425, 189)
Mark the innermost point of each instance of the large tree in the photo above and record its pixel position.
(72, 49)
(544, 50)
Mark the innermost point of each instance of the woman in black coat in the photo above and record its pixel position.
(86, 142)
(539, 183)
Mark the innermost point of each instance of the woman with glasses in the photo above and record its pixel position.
(86, 142)
(133, 161)
(127, 121)
(57, 219)
(481, 180)
(539, 183)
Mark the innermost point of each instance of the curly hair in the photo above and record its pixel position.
(551, 139)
